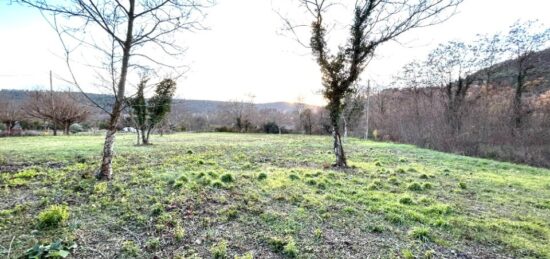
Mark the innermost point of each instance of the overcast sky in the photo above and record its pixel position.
(243, 53)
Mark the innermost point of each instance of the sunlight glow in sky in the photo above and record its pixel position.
(243, 53)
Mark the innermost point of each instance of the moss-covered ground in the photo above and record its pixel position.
(267, 196)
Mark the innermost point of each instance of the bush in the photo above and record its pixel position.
(76, 128)
(53, 216)
(227, 178)
(462, 185)
(271, 128)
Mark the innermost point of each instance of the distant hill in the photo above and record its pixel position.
(193, 106)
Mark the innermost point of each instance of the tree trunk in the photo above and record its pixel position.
(138, 137)
(106, 171)
(144, 137)
(338, 148)
(517, 103)
(66, 128)
(345, 128)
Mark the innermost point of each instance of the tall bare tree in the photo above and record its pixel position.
(374, 23)
(522, 42)
(125, 33)
(454, 65)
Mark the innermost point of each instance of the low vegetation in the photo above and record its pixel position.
(258, 196)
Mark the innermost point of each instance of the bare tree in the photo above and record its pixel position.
(60, 109)
(124, 33)
(454, 65)
(522, 43)
(10, 114)
(375, 22)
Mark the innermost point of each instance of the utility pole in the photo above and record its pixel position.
(367, 110)
(53, 105)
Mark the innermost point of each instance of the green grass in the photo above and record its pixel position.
(228, 195)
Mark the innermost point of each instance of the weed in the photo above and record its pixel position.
(179, 233)
(311, 182)
(290, 248)
(407, 200)
(427, 186)
(219, 250)
(376, 228)
(153, 244)
(393, 180)
(293, 177)
(248, 255)
(130, 248)
(318, 233)
(462, 185)
(421, 233)
(217, 184)
(227, 178)
(375, 185)
(56, 249)
(262, 176)
(53, 216)
(414, 186)
(424, 176)
(408, 254)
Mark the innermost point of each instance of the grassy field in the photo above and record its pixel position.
(267, 196)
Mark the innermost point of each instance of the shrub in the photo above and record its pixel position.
(262, 176)
(53, 216)
(421, 233)
(219, 250)
(462, 185)
(377, 163)
(393, 181)
(423, 176)
(414, 186)
(227, 178)
(189, 152)
(76, 128)
(271, 128)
